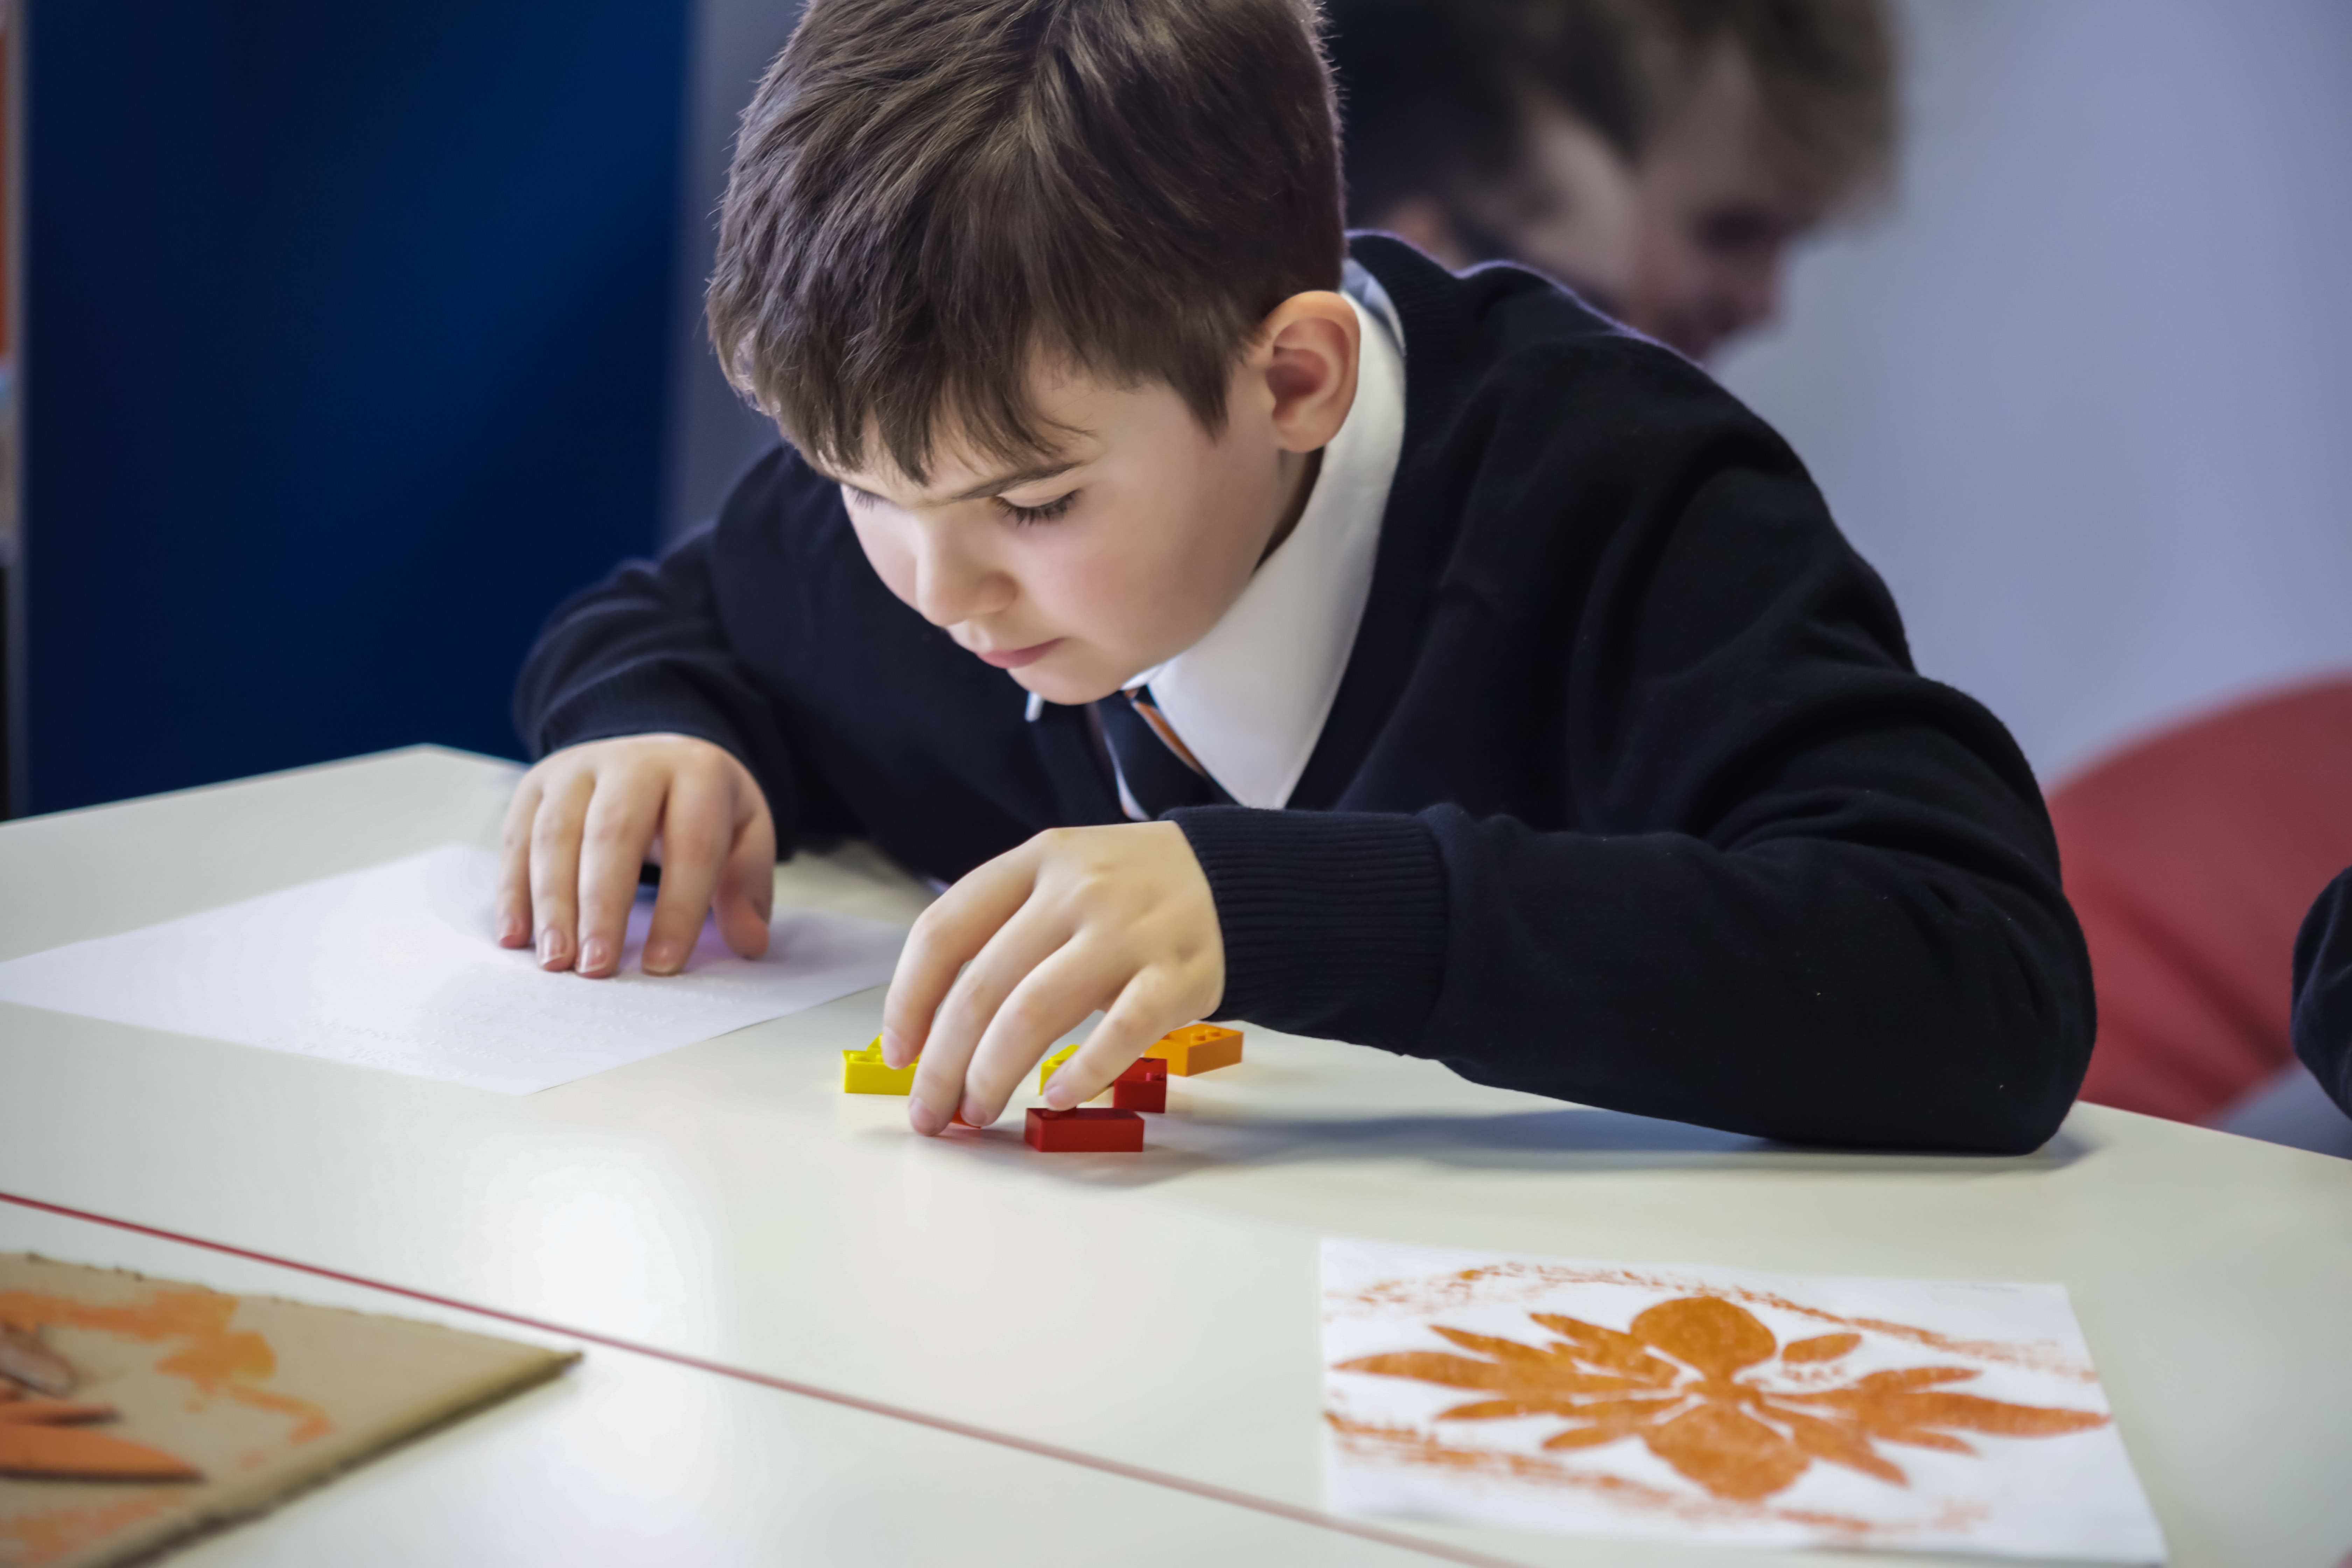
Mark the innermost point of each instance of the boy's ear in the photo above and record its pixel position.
(1307, 354)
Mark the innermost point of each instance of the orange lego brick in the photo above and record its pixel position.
(1197, 1049)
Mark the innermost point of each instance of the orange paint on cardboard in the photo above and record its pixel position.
(216, 1360)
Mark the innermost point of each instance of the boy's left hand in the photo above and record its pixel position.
(1118, 918)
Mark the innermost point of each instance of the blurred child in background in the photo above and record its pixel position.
(1659, 156)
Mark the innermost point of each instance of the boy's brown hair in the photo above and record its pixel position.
(928, 196)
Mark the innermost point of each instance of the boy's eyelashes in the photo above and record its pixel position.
(1045, 512)
(1012, 511)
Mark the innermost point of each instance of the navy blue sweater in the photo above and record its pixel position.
(1630, 797)
(2322, 991)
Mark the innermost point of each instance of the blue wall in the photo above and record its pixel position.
(346, 355)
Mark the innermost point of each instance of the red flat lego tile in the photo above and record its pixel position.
(1084, 1132)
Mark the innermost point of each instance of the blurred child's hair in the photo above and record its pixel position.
(1436, 90)
(931, 198)
(1826, 70)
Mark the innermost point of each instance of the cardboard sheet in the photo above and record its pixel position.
(1720, 1407)
(395, 967)
(264, 1397)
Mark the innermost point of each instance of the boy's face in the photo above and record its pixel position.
(1716, 206)
(1078, 571)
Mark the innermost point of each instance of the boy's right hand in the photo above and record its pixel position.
(585, 821)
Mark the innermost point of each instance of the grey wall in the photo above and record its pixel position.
(712, 434)
(2084, 397)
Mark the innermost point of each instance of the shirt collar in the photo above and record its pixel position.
(1250, 698)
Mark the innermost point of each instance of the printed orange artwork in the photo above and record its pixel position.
(217, 1360)
(45, 1438)
(1711, 1391)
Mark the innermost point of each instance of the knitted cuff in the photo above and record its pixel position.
(1334, 922)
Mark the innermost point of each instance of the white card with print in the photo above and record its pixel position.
(1717, 1406)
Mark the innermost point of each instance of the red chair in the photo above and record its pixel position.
(2191, 858)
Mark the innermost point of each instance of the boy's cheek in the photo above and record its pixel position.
(891, 562)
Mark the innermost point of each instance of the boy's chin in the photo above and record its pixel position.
(1066, 687)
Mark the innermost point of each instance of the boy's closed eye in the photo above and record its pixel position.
(1040, 512)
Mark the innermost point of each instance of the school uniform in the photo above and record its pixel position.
(2322, 1026)
(1597, 767)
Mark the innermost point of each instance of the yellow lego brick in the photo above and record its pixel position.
(1197, 1049)
(1045, 1068)
(864, 1072)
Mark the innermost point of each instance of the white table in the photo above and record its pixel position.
(632, 1459)
(726, 1203)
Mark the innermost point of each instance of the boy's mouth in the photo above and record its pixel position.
(1015, 658)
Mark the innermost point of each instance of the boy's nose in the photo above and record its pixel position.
(950, 586)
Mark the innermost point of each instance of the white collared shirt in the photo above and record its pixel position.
(1250, 699)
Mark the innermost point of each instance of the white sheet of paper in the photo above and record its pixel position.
(1962, 1418)
(396, 967)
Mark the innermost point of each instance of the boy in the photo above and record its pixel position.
(1353, 649)
(1657, 155)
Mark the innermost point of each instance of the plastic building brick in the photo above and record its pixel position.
(1197, 1049)
(1084, 1132)
(864, 1072)
(1142, 1087)
(1045, 1068)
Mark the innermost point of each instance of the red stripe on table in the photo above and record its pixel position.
(1290, 1512)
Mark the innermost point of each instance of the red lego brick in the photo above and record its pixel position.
(1141, 1094)
(1084, 1132)
(1144, 1070)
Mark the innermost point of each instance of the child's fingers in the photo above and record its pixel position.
(696, 828)
(945, 935)
(511, 911)
(613, 836)
(1005, 975)
(943, 1073)
(1051, 1000)
(555, 865)
(747, 888)
(1143, 1012)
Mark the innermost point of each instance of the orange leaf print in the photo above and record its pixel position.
(1708, 1333)
(51, 1412)
(1694, 1380)
(1729, 1453)
(36, 1439)
(1821, 1347)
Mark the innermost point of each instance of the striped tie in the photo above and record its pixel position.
(1160, 774)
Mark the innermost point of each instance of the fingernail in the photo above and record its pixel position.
(595, 954)
(972, 1113)
(1058, 1096)
(550, 948)
(512, 930)
(926, 1120)
(661, 958)
(891, 1048)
